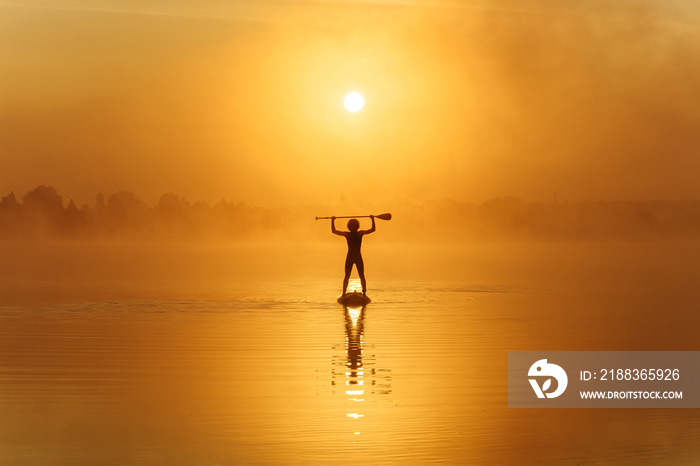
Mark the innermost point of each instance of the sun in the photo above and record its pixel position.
(354, 102)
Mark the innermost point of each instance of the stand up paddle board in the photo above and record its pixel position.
(354, 299)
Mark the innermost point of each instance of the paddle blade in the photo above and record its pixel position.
(384, 216)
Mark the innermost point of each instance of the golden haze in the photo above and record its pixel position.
(468, 100)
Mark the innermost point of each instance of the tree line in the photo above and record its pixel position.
(513, 218)
(41, 213)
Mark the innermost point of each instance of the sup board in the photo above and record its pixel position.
(354, 299)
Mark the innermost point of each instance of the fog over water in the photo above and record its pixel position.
(167, 296)
(181, 353)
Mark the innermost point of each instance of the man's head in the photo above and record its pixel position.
(353, 224)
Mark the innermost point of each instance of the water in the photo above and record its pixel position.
(122, 355)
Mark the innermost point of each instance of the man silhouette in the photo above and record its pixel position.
(354, 257)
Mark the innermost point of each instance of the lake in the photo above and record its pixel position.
(181, 354)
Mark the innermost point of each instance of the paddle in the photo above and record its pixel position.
(382, 217)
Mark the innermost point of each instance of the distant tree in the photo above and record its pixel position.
(9, 202)
(74, 220)
(174, 215)
(10, 211)
(44, 199)
(100, 201)
(123, 203)
(172, 205)
(125, 213)
(43, 211)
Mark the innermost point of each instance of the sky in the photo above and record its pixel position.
(243, 100)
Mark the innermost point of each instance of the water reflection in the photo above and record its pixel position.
(355, 375)
(354, 344)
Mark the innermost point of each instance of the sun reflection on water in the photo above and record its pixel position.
(360, 378)
(354, 345)
(354, 313)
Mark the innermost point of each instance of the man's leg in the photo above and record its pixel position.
(346, 279)
(361, 272)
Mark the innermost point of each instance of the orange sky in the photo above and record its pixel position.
(243, 100)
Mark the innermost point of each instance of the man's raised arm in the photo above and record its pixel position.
(334, 229)
(373, 229)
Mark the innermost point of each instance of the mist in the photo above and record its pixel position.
(168, 294)
(41, 214)
(467, 101)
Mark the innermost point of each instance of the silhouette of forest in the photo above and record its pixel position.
(42, 214)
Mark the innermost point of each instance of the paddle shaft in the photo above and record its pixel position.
(382, 216)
